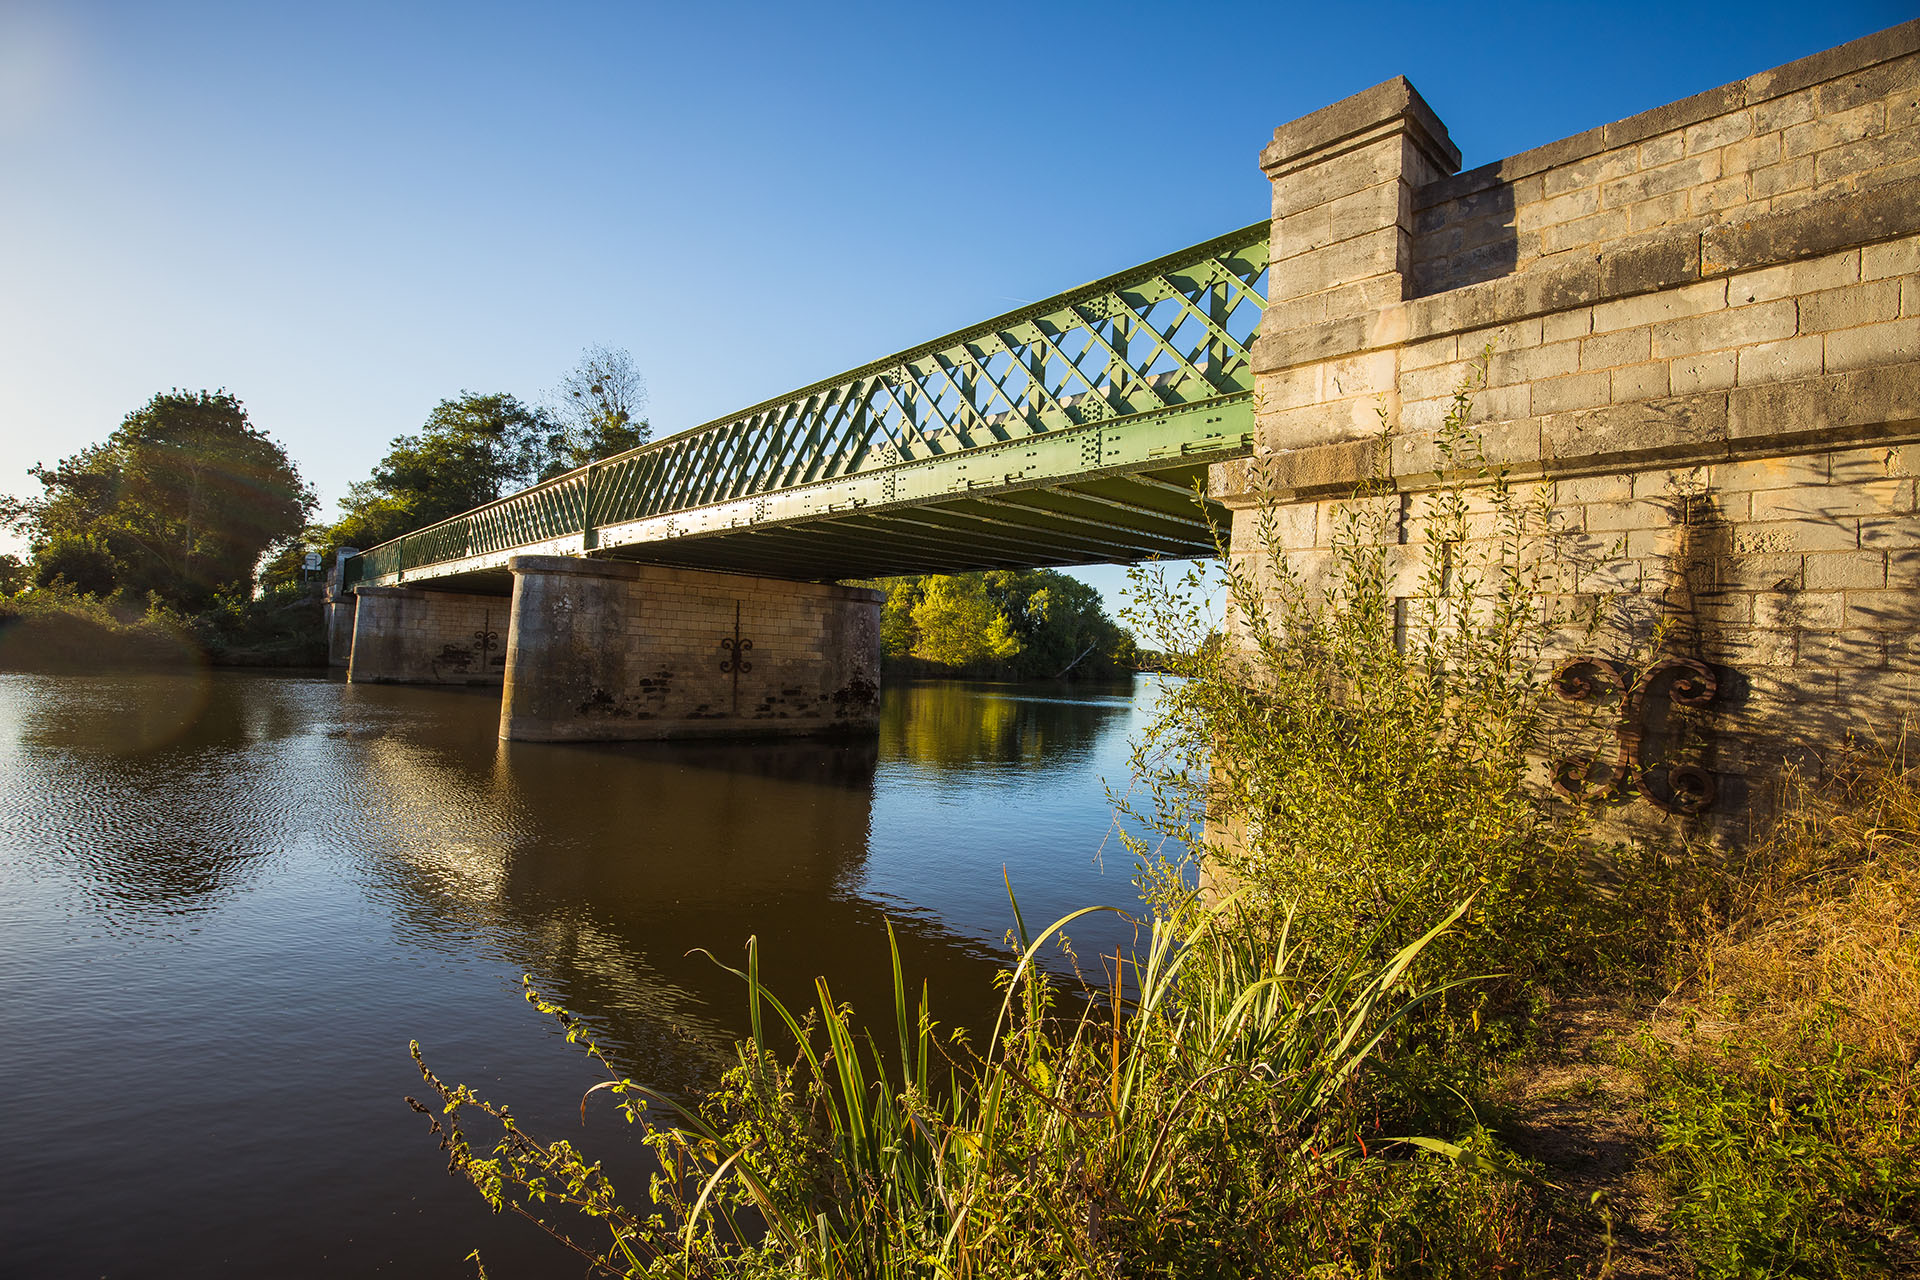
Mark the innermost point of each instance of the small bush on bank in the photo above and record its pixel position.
(59, 630)
(283, 628)
(1361, 752)
(1782, 1075)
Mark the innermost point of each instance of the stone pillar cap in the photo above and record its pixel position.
(1391, 102)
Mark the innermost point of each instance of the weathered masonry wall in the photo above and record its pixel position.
(1837, 123)
(405, 636)
(1699, 330)
(603, 650)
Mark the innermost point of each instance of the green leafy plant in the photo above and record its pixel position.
(1360, 748)
(1191, 1114)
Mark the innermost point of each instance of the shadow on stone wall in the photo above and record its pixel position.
(1477, 241)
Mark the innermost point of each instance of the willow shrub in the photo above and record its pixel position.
(1191, 1117)
(1359, 748)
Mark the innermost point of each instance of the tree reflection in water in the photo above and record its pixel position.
(961, 725)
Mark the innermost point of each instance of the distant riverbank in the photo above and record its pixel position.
(58, 632)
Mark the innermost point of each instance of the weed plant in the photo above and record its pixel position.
(1374, 716)
(1193, 1117)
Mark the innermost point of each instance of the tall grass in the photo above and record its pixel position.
(1193, 1114)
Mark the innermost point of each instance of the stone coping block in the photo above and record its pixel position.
(1357, 116)
(1828, 64)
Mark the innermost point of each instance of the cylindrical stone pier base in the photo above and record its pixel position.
(601, 650)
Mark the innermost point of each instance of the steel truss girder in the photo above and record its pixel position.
(1122, 370)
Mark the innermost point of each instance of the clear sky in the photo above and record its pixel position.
(344, 212)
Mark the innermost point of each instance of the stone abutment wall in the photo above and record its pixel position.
(1699, 333)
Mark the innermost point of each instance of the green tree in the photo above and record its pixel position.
(598, 408)
(1062, 626)
(81, 560)
(1023, 623)
(180, 501)
(14, 574)
(473, 448)
(960, 625)
(898, 634)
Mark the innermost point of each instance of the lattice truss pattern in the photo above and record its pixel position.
(1175, 332)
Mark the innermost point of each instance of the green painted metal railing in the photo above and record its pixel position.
(1175, 331)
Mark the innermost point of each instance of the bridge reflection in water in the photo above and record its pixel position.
(603, 866)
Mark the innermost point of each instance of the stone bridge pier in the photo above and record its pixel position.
(596, 650)
(599, 650)
(403, 635)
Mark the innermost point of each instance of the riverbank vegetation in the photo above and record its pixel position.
(1780, 1071)
(1354, 1051)
(183, 537)
(144, 547)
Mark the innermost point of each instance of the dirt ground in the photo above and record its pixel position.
(1577, 1112)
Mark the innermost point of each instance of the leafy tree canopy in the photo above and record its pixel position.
(473, 448)
(180, 501)
(1023, 624)
(15, 574)
(959, 625)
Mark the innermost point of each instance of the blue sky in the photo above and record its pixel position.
(344, 212)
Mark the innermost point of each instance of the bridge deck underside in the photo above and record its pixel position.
(1106, 519)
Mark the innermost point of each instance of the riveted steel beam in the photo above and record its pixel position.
(1147, 370)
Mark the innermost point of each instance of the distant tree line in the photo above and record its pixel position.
(1014, 624)
(189, 509)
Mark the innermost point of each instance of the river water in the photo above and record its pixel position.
(228, 901)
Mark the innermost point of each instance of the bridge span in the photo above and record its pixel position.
(1071, 431)
(686, 587)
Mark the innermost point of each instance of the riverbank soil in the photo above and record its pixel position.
(1760, 1116)
(1580, 1114)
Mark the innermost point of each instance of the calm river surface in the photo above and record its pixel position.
(228, 902)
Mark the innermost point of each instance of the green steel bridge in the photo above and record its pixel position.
(1071, 431)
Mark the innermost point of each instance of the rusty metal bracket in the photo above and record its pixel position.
(1672, 788)
(736, 648)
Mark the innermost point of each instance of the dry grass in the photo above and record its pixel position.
(1822, 917)
(1781, 1071)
